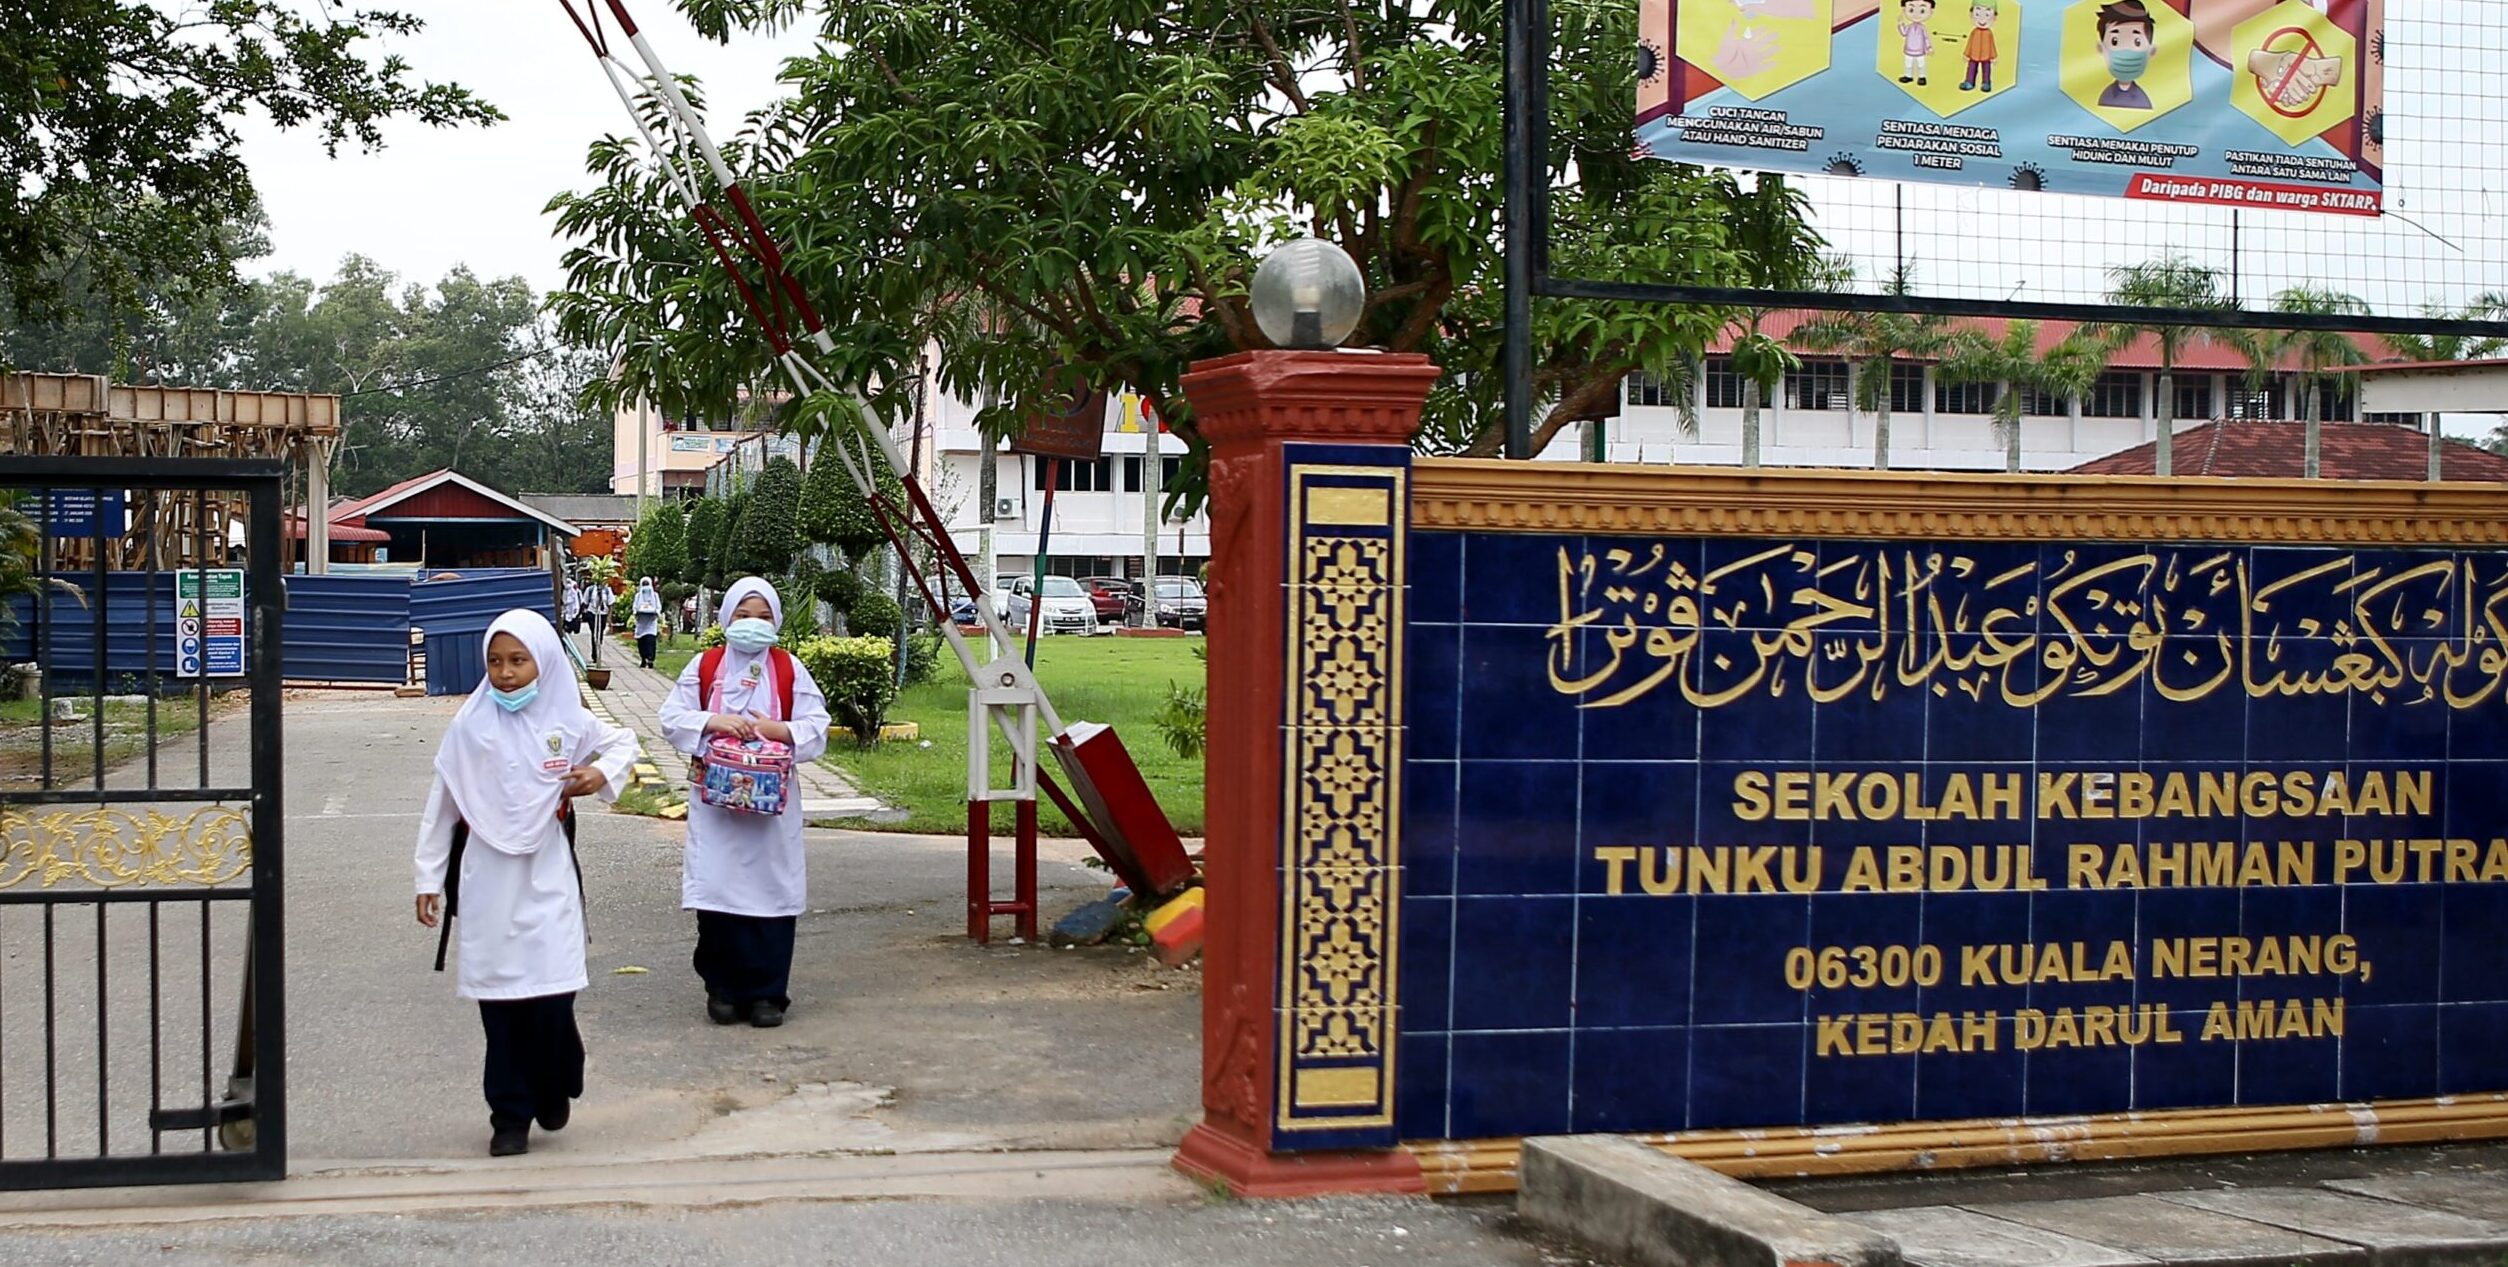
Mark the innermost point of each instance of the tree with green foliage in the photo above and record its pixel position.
(767, 535)
(2016, 367)
(1098, 181)
(705, 528)
(2170, 281)
(1763, 223)
(722, 562)
(461, 373)
(2317, 359)
(659, 548)
(1874, 343)
(2426, 348)
(833, 510)
(118, 131)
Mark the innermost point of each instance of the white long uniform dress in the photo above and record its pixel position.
(738, 863)
(521, 931)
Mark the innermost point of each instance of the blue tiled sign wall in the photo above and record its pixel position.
(1722, 832)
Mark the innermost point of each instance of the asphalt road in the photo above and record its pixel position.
(1339, 1233)
(903, 1036)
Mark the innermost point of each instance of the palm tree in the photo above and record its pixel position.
(2426, 348)
(1875, 342)
(2317, 357)
(2171, 281)
(1766, 226)
(2015, 366)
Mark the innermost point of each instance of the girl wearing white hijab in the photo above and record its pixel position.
(743, 873)
(648, 610)
(519, 749)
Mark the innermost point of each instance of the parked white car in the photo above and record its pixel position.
(1067, 607)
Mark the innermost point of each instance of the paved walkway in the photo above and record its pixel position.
(635, 700)
(2395, 1205)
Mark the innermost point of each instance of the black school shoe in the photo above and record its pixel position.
(553, 1117)
(720, 1010)
(510, 1141)
(766, 1014)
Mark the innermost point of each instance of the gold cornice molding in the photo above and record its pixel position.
(1463, 1167)
(1464, 493)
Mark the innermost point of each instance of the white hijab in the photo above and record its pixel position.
(506, 770)
(736, 663)
(648, 599)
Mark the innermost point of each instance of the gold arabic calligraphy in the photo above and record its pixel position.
(2071, 623)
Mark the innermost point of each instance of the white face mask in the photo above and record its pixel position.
(749, 634)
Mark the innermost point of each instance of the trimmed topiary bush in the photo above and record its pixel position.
(858, 675)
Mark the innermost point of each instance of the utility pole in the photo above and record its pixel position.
(1153, 489)
(987, 488)
(644, 454)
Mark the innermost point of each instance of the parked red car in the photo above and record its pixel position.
(1107, 594)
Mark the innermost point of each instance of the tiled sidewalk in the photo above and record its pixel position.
(635, 699)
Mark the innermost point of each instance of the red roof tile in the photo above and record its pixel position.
(2278, 450)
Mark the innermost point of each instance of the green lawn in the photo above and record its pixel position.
(73, 745)
(1121, 682)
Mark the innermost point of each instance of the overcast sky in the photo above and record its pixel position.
(432, 198)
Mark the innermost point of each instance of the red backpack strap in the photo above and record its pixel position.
(786, 671)
(708, 665)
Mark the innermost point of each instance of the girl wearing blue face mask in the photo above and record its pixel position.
(743, 873)
(496, 855)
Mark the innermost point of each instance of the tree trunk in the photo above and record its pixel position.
(1881, 434)
(2164, 410)
(1750, 422)
(2437, 449)
(2308, 420)
(2011, 439)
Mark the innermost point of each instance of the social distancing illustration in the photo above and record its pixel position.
(1952, 55)
(1756, 47)
(2127, 61)
(2293, 71)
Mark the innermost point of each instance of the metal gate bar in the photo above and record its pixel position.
(54, 855)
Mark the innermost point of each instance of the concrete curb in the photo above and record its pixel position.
(691, 1183)
(1637, 1206)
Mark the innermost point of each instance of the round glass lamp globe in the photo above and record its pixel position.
(1308, 294)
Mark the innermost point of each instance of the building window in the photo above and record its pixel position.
(1077, 477)
(2116, 394)
(1907, 389)
(2335, 401)
(1076, 566)
(1817, 385)
(1724, 384)
(1964, 398)
(2038, 404)
(1644, 390)
(2255, 404)
(2193, 397)
(2414, 421)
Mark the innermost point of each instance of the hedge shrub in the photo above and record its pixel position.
(858, 677)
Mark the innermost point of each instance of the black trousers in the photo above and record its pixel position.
(535, 1056)
(745, 958)
(646, 645)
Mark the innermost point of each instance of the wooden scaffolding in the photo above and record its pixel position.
(82, 415)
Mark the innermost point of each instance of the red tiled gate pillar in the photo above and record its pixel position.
(1310, 464)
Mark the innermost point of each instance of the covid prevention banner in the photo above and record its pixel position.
(2244, 103)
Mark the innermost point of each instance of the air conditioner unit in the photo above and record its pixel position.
(1005, 508)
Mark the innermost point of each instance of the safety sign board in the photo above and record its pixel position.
(209, 623)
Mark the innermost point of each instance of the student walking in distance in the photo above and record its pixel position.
(496, 854)
(597, 601)
(648, 610)
(742, 872)
(570, 606)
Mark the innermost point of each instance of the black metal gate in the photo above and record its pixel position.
(141, 1013)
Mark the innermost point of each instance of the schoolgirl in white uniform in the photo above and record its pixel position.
(520, 749)
(743, 873)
